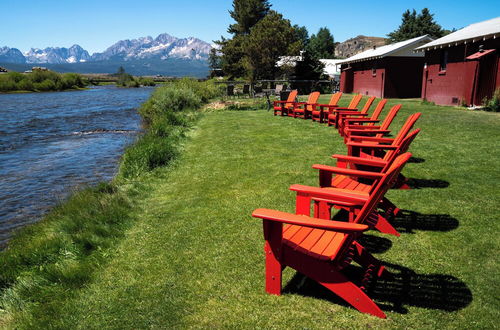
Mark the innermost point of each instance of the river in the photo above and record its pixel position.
(54, 143)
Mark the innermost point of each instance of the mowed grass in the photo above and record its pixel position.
(194, 256)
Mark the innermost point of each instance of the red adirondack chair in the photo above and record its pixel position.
(304, 109)
(378, 147)
(322, 109)
(344, 181)
(341, 115)
(347, 181)
(353, 119)
(332, 116)
(367, 127)
(321, 249)
(285, 107)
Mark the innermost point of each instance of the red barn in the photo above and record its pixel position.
(463, 67)
(393, 70)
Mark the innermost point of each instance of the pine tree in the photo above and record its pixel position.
(270, 38)
(413, 25)
(247, 13)
(302, 34)
(322, 45)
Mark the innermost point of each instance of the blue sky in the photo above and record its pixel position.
(96, 24)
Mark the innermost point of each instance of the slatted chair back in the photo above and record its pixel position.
(291, 98)
(368, 104)
(355, 101)
(390, 116)
(402, 148)
(379, 188)
(378, 110)
(311, 100)
(406, 128)
(334, 100)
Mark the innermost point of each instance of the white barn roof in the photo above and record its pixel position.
(474, 32)
(402, 48)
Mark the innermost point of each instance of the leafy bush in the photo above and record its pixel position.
(493, 104)
(146, 81)
(46, 85)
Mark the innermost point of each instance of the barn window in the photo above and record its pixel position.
(374, 70)
(444, 61)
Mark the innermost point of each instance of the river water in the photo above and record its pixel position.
(53, 143)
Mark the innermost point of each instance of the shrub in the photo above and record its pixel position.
(46, 85)
(25, 85)
(15, 76)
(493, 104)
(147, 82)
(7, 84)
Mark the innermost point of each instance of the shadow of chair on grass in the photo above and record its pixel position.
(427, 183)
(408, 221)
(406, 288)
(416, 160)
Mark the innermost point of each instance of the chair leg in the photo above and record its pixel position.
(352, 294)
(273, 272)
(390, 209)
(402, 182)
(384, 226)
(367, 260)
(273, 233)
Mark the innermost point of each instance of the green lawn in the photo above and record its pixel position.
(194, 257)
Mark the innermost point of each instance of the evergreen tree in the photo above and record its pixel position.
(214, 59)
(322, 45)
(232, 59)
(413, 25)
(247, 13)
(302, 34)
(310, 68)
(270, 38)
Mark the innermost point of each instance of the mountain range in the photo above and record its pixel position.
(145, 55)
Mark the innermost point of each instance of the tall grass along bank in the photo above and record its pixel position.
(47, 263)
(41, 81)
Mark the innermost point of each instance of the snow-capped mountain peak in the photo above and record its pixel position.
(163, 46)
(57, 55)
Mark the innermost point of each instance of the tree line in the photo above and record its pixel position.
(261, 36)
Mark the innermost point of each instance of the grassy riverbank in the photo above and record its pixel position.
(40, 81)
(188, 254)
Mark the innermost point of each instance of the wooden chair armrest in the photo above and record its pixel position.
(306, 221)
(370, 131)
(373, 146)
(348, 171)
(365, 120)
(334, 195)
(370, 139)
(360, 160)
(363, 127)
(346, 109)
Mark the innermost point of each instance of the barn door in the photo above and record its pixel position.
(486, 78)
